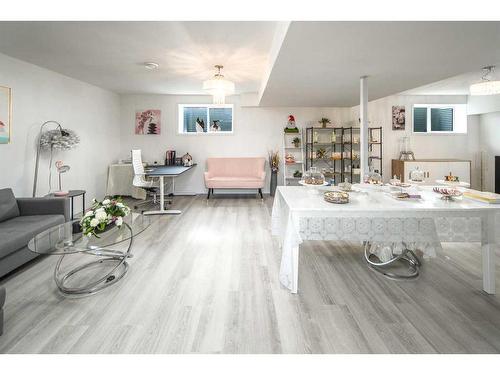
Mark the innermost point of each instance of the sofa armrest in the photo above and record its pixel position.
(263, 175)
(2, 297)
(206, 175)
(2, 302)
(44, 206)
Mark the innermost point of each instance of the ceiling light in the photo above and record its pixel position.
(151, 65)
(487, 86)
(218, 86)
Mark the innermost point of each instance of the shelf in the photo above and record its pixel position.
(293, 148)
(324, 144)
(297, 162)
(374, 157)
(293, 178)
(325, 129)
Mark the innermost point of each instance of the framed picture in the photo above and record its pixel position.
(5, 114)
(148, 122)
(398, 117)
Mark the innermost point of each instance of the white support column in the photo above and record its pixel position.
(363, 132)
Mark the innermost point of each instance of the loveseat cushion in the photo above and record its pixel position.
(17, 232)
(8, 205)
(234, 183)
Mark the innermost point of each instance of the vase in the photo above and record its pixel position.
(274, 183)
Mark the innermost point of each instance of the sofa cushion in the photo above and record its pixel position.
(8, 205)
(234, 183)
(17, 232)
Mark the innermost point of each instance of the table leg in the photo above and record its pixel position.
(488, 253)
(83, 205)
(162, 210)
(295, 269)
(72, 208)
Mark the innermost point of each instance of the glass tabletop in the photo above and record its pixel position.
(68, 239)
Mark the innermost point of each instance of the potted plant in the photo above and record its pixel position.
(324, 122)
(274, 164)
(296, 142)
(102, 216)
(297, 174)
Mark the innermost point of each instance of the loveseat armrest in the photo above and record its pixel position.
(263, 175)
(44, 206)
(206, 175)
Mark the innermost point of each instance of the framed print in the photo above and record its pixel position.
(5, 114)
(398, 117)
(148, 122)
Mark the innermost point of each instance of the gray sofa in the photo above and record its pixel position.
(20, 220)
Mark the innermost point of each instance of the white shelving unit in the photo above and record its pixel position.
(298, 153)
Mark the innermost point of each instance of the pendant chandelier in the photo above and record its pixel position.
(218, 86)
(487, 86)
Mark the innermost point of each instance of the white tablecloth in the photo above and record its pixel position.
(120, 177)
(373, 215)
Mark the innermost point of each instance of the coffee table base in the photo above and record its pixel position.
(104, 255)
(93, 287)
(407, 257)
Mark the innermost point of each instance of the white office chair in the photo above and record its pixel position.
(140, 180)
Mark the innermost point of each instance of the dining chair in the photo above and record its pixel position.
(151, 186)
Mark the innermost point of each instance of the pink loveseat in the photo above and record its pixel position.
(235, 173)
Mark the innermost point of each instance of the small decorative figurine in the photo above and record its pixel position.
(290, 125)
(187, 160)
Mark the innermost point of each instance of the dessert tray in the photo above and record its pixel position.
(337, 197)
(448, 193)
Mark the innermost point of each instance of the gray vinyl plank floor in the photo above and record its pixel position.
(206, 281)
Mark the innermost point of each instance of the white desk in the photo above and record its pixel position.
(371, 215)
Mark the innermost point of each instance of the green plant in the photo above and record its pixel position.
(297, 173)
(324, 121)
(102, 214)
(296, 141)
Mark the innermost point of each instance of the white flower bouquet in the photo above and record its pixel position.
(103, 214)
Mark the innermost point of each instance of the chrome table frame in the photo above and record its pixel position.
(104, 256)
(407, 256)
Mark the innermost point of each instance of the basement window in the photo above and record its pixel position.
(205, 119)
(439, 119)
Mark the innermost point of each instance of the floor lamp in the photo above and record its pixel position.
(63, 133)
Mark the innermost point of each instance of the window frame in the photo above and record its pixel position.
(457, 130)
(180, 119)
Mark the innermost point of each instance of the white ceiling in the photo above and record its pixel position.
(110, 54)
(314, 64)
(320, 63)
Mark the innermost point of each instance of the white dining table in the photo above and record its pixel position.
(375, 216)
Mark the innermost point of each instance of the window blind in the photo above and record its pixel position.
(442, 119)
(420, 119)
(191, 114)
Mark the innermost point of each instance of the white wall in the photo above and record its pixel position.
(256, 130)
(425, 146)
(489, 141)
(39, 95)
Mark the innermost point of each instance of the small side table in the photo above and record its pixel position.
(72, 194)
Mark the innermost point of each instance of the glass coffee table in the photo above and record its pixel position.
(66, 239)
